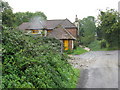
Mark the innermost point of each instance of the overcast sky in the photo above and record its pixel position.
(61, 9)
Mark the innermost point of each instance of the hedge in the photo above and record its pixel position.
(30, 61)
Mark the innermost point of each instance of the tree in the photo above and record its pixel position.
(8, 18)
(87, 30)
(26, 16)
(4, 6)
(109, 27)
(7, 14)
(11, 19)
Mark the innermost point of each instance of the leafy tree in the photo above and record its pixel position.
(109, 27)
(11, 19)
(7, 14)
(8, 18)
(4, 6)
(87, 30)
(26, 16)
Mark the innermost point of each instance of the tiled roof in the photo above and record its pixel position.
(49, 24)
(60, 33)
(24, 26)
(30, 25)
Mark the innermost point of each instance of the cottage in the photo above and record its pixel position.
(63, 30)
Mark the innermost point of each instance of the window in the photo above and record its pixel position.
(34, 31)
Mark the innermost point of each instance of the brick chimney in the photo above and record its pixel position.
(77, 24)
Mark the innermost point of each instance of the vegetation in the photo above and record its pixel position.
(7, 14)
(76, 51)
(21, 17)
(87, 30)
(79, 51)
(30, 61)
(11, 19)
(108, 28)
(34, 62)
(96, 46)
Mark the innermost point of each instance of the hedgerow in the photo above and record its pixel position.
(30, 61)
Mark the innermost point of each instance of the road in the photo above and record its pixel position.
(99, 69)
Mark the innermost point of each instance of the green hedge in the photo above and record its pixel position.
(34, 62)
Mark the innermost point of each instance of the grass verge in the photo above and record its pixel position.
(76, 51)
(79, 51)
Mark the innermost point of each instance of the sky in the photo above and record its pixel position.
(62, 9)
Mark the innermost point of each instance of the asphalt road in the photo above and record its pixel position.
(99, 69)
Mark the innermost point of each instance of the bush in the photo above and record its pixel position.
(34, 62)
(103, 43)
(98, 46)
(95, 45)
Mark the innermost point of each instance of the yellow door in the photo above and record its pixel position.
(65, 44)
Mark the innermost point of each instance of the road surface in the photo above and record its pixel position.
(99, 69)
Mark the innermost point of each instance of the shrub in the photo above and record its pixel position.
(95, 45)
(34, 62)
(103, 43)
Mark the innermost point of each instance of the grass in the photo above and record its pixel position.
(79, 51)
(76, 51)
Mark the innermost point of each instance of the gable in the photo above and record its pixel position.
(60, 33)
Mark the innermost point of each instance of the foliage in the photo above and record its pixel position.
(103, 43)
(87, 30)
(68, 51)
(79, 51)
(34, 62)
(7, 14)
(4, 5)
(8, 18)
(95, 45)
(109, 26)
(21, 17)
(11, 19)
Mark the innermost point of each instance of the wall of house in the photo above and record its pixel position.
(73, 31)
(71, 44)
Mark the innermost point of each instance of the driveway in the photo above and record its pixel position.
(99, 69)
